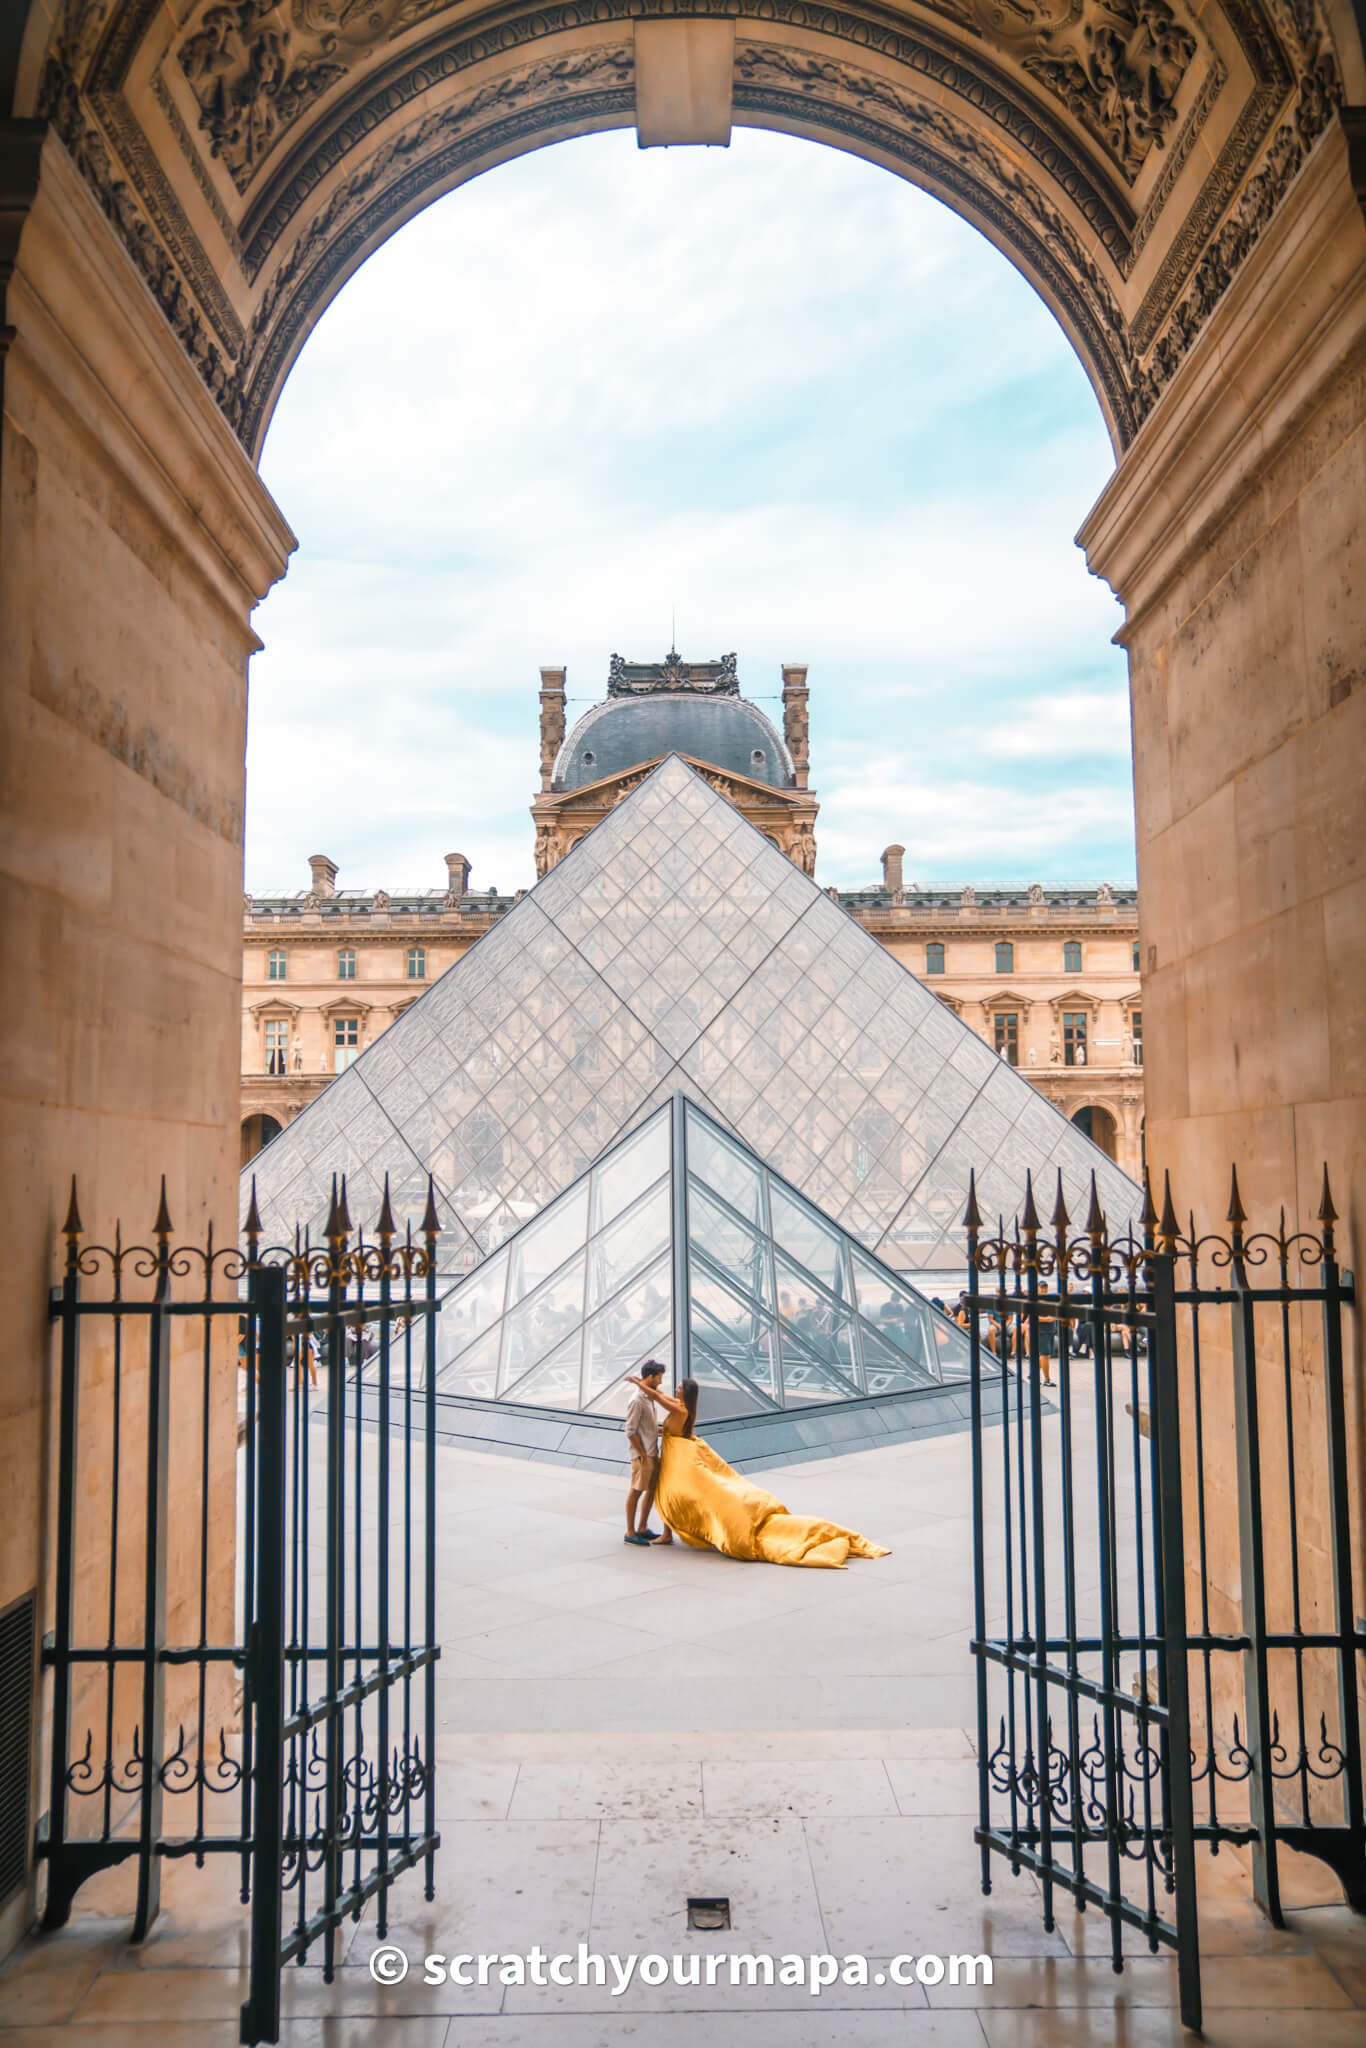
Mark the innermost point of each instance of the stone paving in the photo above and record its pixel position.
(623, 1728)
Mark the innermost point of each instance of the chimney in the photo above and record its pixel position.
(324, 873)
(891, 871)
(552, 720)
(796, 729)
(458, 871)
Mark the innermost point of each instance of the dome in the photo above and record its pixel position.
(724, 731)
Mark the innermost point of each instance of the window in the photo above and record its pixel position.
(1005, 957)
(1071, 957)
(346, 964)
(1136, 1027)
(275, 966)
(934, 958)
(1138, 958)
(1006, 1025)
(345, 1042)
(1074, 1038)
(277, 1045)
(417, 963)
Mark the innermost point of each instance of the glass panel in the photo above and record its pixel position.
(634, 1327)
(630, 1170)
(732, 1175)
(471, 1307)
(476, 1370)
(951, 1343)
(888, 1370)
(547, 1243)
(739, 1251)
(631, 1242)
(719, 1394)
(541, 1321)
(735, 1330)
(810, 1379)
(554, 1383)
(812, 1243)
(826, 1331)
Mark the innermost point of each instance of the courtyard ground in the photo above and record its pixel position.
(623, 1728)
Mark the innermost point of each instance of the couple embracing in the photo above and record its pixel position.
(705, 1503)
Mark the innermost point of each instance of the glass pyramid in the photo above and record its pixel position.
(679, 1244)
(675, 949)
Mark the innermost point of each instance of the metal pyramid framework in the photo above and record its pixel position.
(679, 1244)
(674, 949)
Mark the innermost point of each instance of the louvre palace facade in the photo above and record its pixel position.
(1048, 976)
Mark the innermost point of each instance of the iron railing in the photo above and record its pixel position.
(1115, 1732)
(319, 1774)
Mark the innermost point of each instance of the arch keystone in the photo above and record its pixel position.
(685, 76)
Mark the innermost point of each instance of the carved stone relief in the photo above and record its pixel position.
(251, 81)
(1117, 65)
(1120, 66)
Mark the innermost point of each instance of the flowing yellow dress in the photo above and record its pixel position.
(714, 1508)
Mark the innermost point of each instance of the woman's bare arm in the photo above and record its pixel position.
(669, 1401)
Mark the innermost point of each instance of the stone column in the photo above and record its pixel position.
(135, 538)
(1233, 533)
(552, 720)
(796, 725)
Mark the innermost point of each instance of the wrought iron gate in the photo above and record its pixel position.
(1153, 1674)
(319, 1776)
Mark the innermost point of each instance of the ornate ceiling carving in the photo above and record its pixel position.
(248, 152)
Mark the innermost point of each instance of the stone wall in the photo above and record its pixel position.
(134, 539)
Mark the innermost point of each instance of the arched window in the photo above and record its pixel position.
(275, 966)
(1005, 957)
(934, 957)
(417, 963)
(1071, 957)
(346, 964)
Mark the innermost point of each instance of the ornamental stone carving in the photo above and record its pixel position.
(250, 80)
(1116, 65)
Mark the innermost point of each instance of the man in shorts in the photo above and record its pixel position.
(642, 1438)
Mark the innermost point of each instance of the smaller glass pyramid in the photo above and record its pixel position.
(680, 1244)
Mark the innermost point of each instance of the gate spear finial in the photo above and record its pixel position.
(1168, 1229)
(1327, 1217)
(71, 1229)
(1237, 1214)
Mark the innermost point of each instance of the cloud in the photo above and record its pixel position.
(773, 389)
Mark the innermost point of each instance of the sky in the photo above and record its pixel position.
(772, 392)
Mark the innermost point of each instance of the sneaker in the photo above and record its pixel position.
(650, 1535)
(629, 1537)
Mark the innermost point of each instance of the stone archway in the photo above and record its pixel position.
(1099, 1125)
(182, 190)
(257, 1131)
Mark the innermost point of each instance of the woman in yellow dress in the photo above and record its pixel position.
(714, 1508)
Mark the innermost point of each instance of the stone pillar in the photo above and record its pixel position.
(458, 877)
(796, 725)
(324, 873)
(892, 857)
(135, 538)
(1232, 532)
(552, 720)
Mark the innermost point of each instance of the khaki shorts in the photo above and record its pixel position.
(644, 1471)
